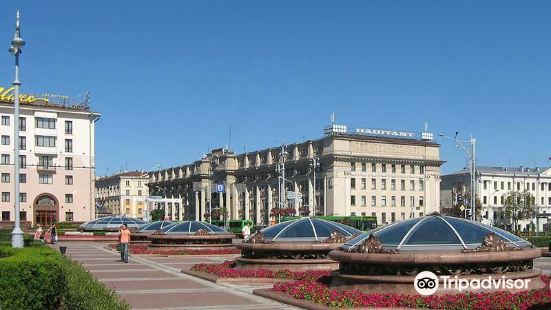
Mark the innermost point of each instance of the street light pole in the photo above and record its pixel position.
(283, 188)
(16, 44)
(315, 164)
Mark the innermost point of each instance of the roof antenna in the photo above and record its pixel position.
(333, 118)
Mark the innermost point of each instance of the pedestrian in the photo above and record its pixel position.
(124, 239)
(246, 231)
(54, 234)
(38, 232)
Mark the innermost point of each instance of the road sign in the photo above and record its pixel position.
(220, 188)
(293, 195)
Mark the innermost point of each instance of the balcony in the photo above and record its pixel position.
(46, 168)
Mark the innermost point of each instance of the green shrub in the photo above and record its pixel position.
(540, 242)
(85, 292)
(68, 225)
(99, 233)
(30, 278)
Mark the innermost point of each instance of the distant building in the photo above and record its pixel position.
(494, 184)
(389, 174)
(123, 193)
(57, 159)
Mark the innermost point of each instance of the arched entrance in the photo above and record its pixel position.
(46, 210)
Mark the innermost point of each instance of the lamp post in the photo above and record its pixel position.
(16, 44)
(471, 154)
(281, 179)
(314, 162)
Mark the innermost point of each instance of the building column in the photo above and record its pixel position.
(270, 206)
(257, 203)
(198, 204)
(311, 197)
(234, 203)
(246, 203)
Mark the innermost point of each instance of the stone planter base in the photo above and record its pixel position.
(290, 264)
(191, 245)
(405, 284)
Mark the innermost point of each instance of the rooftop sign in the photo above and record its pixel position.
(343, 129)
(7, 95)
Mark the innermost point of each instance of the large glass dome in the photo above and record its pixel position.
(191, 227)
(306, 230)
(111, 223)
(435, 233)
(154, 226)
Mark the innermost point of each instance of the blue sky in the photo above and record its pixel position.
(169, 77)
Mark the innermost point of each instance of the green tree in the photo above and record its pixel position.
(157, 215)
(518, 206)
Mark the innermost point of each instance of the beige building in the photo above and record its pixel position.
(124, 193)
(389, 174)
(57, 159)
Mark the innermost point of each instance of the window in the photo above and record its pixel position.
(5, 120)
(127, 183)
(68, 198)
(68, 216)
(383, 217)
(5, 178)
(503, 200)
(352, 200)
(22, 178)
(353, 166)
(5, 197)
(495, 200)
(502, 185)
(139, 183)
(22, 124)
(485, 200)
(374, 214)
(127, 192)
(542, 186)
(373, 201)
(353, 183)
(22, 215)
(68, 180)
(412, 169)
(45, 161)
(393, 184)
(403, 185)
(364, 201)
(421, 201)
(495, 186)
(5, 140)
(412, 201)
(549, 201)
(22, 143)
(533, 186)
(127, 202)
(22, 161)
(373, 167)
(383, 184)
(542, 201)
(68, 163)
(43, 122)
(393, 168)
(5, 215)
(383, 201)
(518, 186)
(421, 169)
(508, 186)
(23, 197)
(403, 216)
(403, 169)
(485, 184)
(68, 145)
(383, 168)
(5, 159)
(421, 184)
(45, 141)
(68, 127)
(364, 183)
(403, 201)
(393, 201)
(353, 213)
(411, 185)
(373, 183)
(364, 167)
(139, 192)
(45, 179)
(392, 217)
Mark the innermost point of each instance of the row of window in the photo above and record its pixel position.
(384, 203)
(502, 200)
(519, 185)
(23, 197)
(23, 216)
(393, 168)
(44, 161)
(383, 218)
(42, 141)
(5, 178)
(40, 122)
(383, 184)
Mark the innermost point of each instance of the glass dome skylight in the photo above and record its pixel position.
(111, 223)
(154, 226)
(191, 227)
(435, 233)
(306, 230)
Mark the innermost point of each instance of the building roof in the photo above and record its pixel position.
(134, 174)
(519, 171)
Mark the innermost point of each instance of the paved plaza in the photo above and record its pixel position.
(157, 283)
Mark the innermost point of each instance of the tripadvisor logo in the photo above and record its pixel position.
(427, 283)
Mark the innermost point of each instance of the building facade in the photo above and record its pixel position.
(124, 193)
(57, 160)
(388, 174)
(494, 184)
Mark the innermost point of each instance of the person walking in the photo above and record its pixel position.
(246, 231)
(53, 233)
(38, 232)
(124, 239)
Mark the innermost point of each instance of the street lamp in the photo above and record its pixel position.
(471, 155)
(16, 44)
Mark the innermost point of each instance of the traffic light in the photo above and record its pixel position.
(459, 198)
(469, 213)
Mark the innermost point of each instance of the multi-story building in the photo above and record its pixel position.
(494, 184)
(124, 193)
(389, 174)
(56, 143)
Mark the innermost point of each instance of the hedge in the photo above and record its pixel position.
(38, 277)
(540, 242)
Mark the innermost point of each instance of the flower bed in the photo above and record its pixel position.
(224, 270)
(144, 249)
(321, 294)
